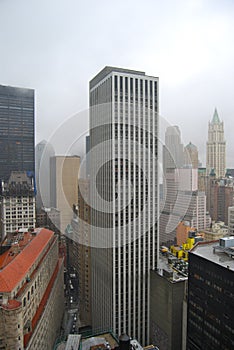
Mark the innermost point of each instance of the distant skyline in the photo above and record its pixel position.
(56, 47)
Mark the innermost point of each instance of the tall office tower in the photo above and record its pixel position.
(43, 152)
(123, 140)
(17, 203)
(191, 155)
(202, 180)
(173, 150)
(183, 202)
(216, 147)
(16, 130)
(173, 159)
(64, 186)
(196, 213)
(210, 321)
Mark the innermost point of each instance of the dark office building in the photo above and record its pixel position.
(211, 296)
(16, 130)
(87, 150)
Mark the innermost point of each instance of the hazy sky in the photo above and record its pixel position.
(57, 46)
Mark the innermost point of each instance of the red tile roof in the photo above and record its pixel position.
(19, 267)
(11, 305)
(15, 248)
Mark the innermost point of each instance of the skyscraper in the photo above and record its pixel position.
(173, 150)
(64, 186)
(173, 159)
(216, 147)
(16, 130)
(123, 174)
(43, 152)
(191, 155)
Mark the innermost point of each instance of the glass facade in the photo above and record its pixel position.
(16, 130)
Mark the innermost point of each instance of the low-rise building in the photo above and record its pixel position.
(183, 231)
(31, 290)
(216, 231)
(49, 218)
(102, 341)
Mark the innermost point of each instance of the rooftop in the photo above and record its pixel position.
(73, 342)
(101, 341)
(191, 146)
(215, 119)
(16, 91)
(211, 252)
(107, 70)
(107, 340)
(172, 268)
(19, 183)
(16, 262)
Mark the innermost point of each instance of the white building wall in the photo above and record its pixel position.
(131, 181)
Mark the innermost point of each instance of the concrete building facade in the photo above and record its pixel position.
(166, 316)
(48, 218)
(79, 246)
(64, 171)
(221, 198)
(31, 291)
(43, 152)
(191, 155)
(124, 192)
(183, 203)
(231, 221)
(17, 203)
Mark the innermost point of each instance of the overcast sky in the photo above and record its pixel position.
(57, 46)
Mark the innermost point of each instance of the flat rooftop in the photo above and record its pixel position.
(107, 70)
(107, 340)
(209, 251)
(73, 342)
(16, 91)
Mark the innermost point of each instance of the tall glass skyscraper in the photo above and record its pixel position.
(124, 198)
(16, 130)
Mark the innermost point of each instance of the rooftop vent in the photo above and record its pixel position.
(227, 242)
